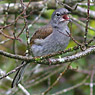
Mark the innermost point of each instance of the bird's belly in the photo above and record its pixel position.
(50, 46)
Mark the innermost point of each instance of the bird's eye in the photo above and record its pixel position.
(57, 13)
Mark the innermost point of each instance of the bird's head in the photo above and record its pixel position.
(60, 18)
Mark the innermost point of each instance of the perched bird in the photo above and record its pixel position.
(50, 38)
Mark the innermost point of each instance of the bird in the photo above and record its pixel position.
(48, 39)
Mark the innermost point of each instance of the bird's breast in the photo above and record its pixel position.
(55, 42)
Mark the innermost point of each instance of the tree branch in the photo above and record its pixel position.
(43, 60)
(37, 6)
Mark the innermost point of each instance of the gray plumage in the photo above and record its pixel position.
(54, 40)
(53, 43)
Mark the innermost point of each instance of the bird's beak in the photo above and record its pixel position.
(67, 17)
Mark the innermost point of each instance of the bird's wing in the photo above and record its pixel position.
(41, 33)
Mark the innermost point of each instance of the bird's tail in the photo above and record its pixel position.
(18, 75)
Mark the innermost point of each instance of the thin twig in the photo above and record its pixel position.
(3, 42)
(91, 82)
(9, 37)
(12, 71)
(70, 35)
(91, 40)
(46, 77)
(81, 23)
(87, 21)
(21, 31)
(61, 74)
(27, 29)
(33, 22)
(71, 88)
(16, 18)
(2, 73)
(14, 34)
